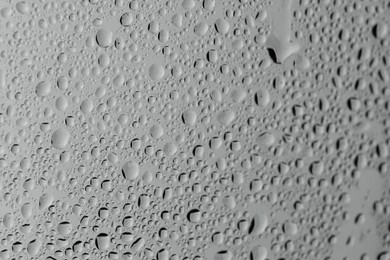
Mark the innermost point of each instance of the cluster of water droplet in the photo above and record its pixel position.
(194, 129)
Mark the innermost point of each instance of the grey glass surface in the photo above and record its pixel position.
(195, 129)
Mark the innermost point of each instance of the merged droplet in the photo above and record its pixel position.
(189, 117)
(130, 170)
(34, 246)
(104, 38)
(102, 241)
(60, 138)
(43, 89)
(156, 72)
(226, 117)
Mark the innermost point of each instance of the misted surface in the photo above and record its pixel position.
(195, 129)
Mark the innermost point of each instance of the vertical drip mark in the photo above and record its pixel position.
(279, 42)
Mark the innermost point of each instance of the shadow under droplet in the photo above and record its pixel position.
(272, 54)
